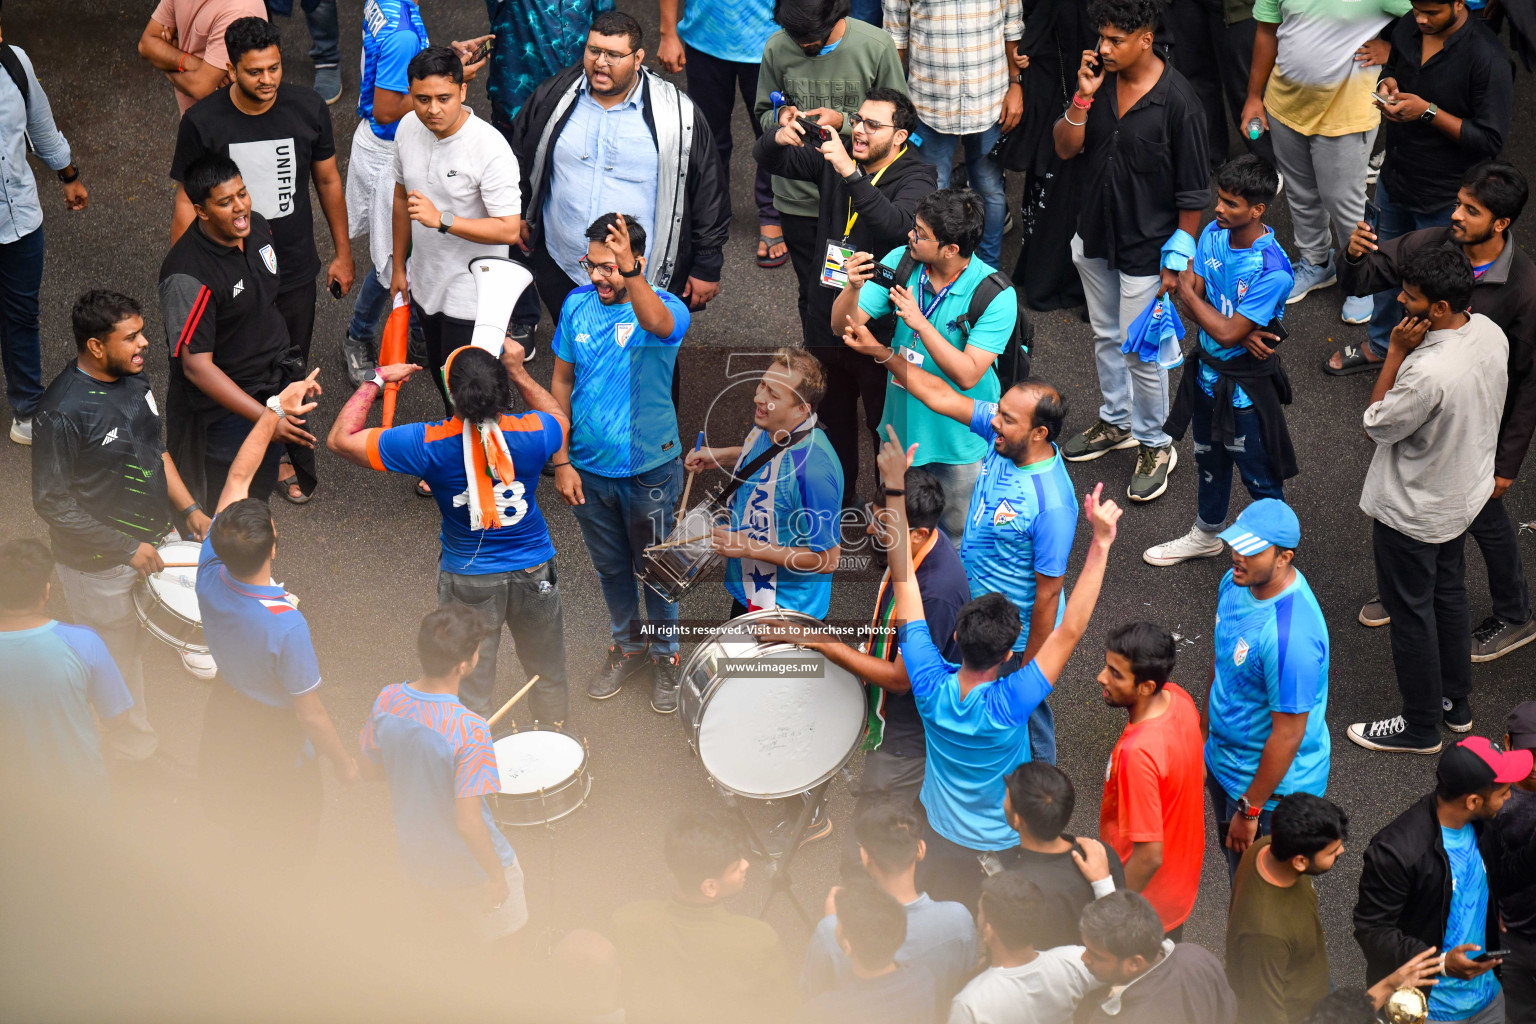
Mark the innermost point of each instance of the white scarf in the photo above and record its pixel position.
(759, 579)
(487, 461)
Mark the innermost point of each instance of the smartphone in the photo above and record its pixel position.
(1373, 217)
(1277, 328)
(1096, 65)
(1378, 99)
(885, 276)
(481, 52)
(1492, 954)
(813, 131)
(336, 291)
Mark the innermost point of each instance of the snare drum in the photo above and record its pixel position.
(543, 776)
(676, 564)
(167, 601)
(769, 736)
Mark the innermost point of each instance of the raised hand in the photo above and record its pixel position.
(1102, 514)
(894, 461)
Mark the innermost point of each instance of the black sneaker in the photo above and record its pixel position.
(526, 335)
(621, 665)
(360, 360)
(1392, 736)
(1374, 614)
(1496, 638)
(1152, 468)
(1096, 441)
(1456, 713)
(664, 684)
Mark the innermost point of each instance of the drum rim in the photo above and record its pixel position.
(521, 799)
(693, 724)
(581, 768)
(143, 586)
(154, 629)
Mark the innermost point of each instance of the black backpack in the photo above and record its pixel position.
(1013, 363)
(17, 73)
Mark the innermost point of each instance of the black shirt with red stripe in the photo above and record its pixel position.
(222, 299)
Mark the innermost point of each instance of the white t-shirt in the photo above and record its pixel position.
(472, 173)
(1044, 991)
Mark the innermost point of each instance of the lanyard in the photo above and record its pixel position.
(853, 217)
(922, 282)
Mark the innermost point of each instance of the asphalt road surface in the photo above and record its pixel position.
(363, 554)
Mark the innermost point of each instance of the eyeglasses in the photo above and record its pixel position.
(918, 236)
(597, 53)
(601, 269)
(869, 125)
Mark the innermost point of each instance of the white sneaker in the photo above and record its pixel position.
(21, 430)
(1194, 544)
(200, 666)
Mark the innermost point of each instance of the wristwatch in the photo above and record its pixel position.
(377, 380)
(69, 175)
(447, 222)
(856, 176)
(633, 271)
(1247, 809)
(1429, 115)
(276, 405)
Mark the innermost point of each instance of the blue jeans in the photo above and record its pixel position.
(21, 276)
(1215, 461)
(620, 518)
(372, 301)
(1396, 220)
(1042, 722)
(868, 11)
(986, 179)
(324, 28)
(528, 601)
(1225, 806)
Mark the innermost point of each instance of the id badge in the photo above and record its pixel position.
(832, 273)
(912, 356)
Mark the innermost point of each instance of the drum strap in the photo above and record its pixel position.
(766, 456)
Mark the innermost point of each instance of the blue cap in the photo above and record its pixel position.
(1268, 521)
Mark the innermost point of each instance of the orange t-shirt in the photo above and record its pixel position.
(1154, 791)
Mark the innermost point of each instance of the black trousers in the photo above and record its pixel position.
(950, 871)
(222, 441)
(850, 378)
(297, 308)
(1495, 535)
(1216, 58)
(712, 85)
(806, 253)
(885, 777)
(1424, 589)
(442, 334)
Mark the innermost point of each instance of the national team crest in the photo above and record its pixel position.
(622, 333)
(1240, 652)
(1005, 513)
(269, 258)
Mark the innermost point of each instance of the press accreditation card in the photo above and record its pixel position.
(912, 356)
(832, 273)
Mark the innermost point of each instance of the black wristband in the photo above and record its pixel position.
(557, 465)
(633, 271)
(69, 175)
(895, 492)
(194, 507)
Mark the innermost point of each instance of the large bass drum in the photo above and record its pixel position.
(769, 735)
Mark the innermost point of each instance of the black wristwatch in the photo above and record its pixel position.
(1429, 113)
(1247, 809)
(633, 271)
(856, 176)
(69, 175)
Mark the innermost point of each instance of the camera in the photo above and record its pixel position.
(884, 276)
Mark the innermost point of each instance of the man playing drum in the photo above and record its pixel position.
(497, 556)
(783, 542)
(102, 481)
(975, 739)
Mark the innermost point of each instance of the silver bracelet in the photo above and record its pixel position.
(1074, 124)
(887, 359)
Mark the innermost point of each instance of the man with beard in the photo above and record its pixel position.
(1277, 960)
(868, 196)
(280, 137)
(1269, 683)
(1504, 290)
(1023, 509)
(103, 483)
(621, 469)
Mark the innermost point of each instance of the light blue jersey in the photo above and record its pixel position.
(733, 30)
(794, 500)
(1270, 656)
(1461, 998)
(393, 33)
(973, 741)
(1022, 521)
(1252, 283)
(622, 418)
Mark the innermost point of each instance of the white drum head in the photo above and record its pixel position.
(176, 588)
(535, 760)
(769, 736)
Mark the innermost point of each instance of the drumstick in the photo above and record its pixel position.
(679, 542)
(178, 565)
(691, 473)
(508, 705)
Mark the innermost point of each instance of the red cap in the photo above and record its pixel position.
(1477, 763)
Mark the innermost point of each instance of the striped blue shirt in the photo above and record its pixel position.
(622, 418)
(1270, 656)
(1022, 521)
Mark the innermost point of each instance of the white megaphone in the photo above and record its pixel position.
(498, 284)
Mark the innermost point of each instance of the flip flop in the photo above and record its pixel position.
(770, 262)
(1355, 361)
(285, 486)
(422, 490)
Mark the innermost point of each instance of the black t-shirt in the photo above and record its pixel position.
(98, 477)
(1140, 170)
(223, 299)
(1067, 892)
(274, 152)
